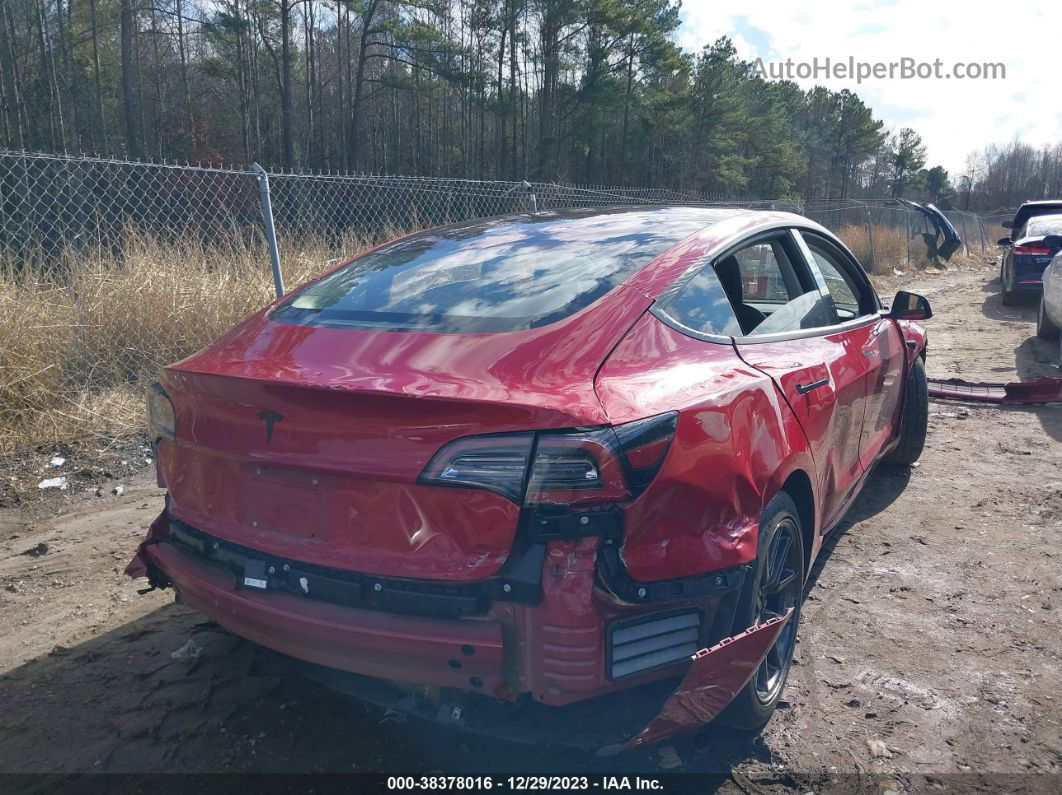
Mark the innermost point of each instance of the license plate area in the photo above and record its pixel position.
(279, 500)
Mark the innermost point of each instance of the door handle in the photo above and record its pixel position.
(803, 389)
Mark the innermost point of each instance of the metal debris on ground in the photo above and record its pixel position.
(1038, 392)
(37, 550)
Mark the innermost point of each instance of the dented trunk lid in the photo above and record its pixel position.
(307, 442)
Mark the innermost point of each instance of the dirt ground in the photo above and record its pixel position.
(928, 656)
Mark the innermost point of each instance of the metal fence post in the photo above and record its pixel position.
(907, 221)
(270, 230)
(870, 240)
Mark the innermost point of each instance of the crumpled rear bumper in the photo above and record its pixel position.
(430, 651)
(367, 653)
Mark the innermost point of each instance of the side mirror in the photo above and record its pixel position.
(1007, 224)
(1003, 241)
(908, 306)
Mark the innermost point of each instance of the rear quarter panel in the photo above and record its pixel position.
(735, 445)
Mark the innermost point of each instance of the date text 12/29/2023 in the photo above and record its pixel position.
(523, 783)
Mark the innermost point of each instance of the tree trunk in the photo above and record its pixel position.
(101, 124)
(12, 101)
(626, 112)
(186, 85)
(353, 138)
(129, 98)
(287, 107)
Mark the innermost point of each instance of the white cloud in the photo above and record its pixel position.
(954, 117)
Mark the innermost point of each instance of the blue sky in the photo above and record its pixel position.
(953, 116)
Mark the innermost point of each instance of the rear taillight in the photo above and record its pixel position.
(576, 467)
(497, 463)
(558, 468)
(1033, 251)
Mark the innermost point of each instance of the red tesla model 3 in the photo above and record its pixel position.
(557, 477)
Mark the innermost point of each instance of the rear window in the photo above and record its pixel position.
(1044, 225)
(501, 275)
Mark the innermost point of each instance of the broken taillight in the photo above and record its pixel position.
(161, 420)
(572, 467)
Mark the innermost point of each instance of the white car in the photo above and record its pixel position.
(1049, 318)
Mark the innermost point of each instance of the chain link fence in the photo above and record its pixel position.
(111, 269)
(889, 234)
(51, 205)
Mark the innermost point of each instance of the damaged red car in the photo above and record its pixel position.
(556, 477)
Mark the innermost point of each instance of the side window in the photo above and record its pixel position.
(761, 274)
(771, 289)
(702, 306)
(851, 299)
(765, 287)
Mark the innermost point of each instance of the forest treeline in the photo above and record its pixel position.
(576, 91)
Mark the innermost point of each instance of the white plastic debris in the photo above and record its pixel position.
(54, 483)
(57, 461)
(189, 651)
(897, 272)
(667, 758)
(117, 491)
(878, 749)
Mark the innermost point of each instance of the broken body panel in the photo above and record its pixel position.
(1029, 393)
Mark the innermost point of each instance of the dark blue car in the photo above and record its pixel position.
(1025, 252)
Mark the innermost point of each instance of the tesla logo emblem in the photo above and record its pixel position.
(270, 418)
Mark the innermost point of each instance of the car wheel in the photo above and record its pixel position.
(1008, 297)
(1045, 329)
(914, 421)
(773, 586)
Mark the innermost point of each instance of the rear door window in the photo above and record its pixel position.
(761, 274)
(771, 288)
(764, 287)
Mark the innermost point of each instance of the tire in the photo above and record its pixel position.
(1007, 296)
(915, 418)
(1045, 329)
(779, 565)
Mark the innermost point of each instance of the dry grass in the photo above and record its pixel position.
(890, 247)
(76, 352)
